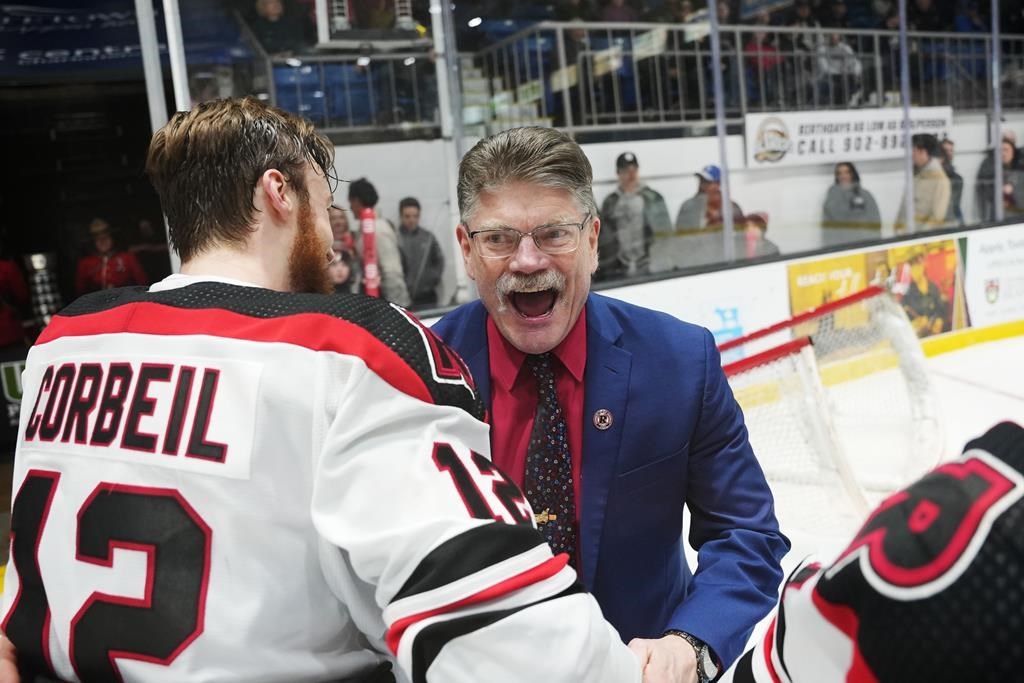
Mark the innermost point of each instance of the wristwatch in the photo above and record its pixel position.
(707, 670)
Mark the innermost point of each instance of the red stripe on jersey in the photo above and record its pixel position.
(543, 571)
(315, 331)
(769, 644)
(846, 620)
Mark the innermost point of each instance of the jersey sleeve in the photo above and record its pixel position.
(440, 557)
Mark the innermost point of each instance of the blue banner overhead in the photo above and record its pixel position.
(63, 40)
(98, 40)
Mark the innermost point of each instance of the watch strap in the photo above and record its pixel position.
(700, 650)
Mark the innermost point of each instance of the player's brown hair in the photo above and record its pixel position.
(205, 164)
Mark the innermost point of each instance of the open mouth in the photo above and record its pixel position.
(534, 304)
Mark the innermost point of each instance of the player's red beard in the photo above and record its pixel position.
(308, 261)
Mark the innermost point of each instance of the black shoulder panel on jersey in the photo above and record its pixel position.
(442, 371)
(432, 639)
(468, 553)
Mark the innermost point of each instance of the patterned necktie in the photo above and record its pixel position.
(548, 478)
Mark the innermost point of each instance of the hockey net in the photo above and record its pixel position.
(877, 391)
(781, 394)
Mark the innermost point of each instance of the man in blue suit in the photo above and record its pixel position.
(641, 418)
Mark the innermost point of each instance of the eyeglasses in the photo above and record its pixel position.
(557, 238)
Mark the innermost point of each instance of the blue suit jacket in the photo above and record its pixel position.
(677, 436)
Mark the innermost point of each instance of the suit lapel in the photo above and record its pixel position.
(606, 383)
(476, 356)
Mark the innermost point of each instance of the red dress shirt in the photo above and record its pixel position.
(514, 400)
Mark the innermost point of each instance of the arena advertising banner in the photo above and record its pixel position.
(821, 137)
(730, 303)
(923, 276)
(49, 39)
(994, 275)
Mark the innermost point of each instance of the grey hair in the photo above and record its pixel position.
(540, 156)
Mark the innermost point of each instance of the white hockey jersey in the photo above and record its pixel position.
(217, 482)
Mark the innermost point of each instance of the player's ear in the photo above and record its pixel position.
(272, 187)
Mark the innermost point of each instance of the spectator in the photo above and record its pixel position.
(279, 32)
(422, 258)
(731, 62)
(924, 15)
(850, 213)
(803, 46)
(883, 10)
(970, 20)
(373, 14)
(346, 256)
(1013, 181)
(701, 210)
(764, 63)
(931, 187)
(1011, 15)
(568, 10)
(751, 241)
(697, 239)
(954, 216)
(343, 274)
(363, 195)
(619, 11)
(344, 240)
(150, 248)
(107, 267)
(837, 16)
(839, 73)
(631, 215)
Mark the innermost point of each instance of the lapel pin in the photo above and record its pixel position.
(603, 419)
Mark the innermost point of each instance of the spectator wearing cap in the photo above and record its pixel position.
(699, 222)
(631, 216)
(751, 241)
(107, 267)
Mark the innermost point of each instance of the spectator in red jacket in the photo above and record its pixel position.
(107, 267)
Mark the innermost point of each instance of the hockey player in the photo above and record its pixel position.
(219, 479)
(929, 589)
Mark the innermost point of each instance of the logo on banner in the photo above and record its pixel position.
(772, 140)
(992, 290)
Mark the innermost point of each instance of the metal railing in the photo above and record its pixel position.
(594, 77)
(351, 93)
(587, 77)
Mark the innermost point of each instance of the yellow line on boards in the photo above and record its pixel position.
(954, 341)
